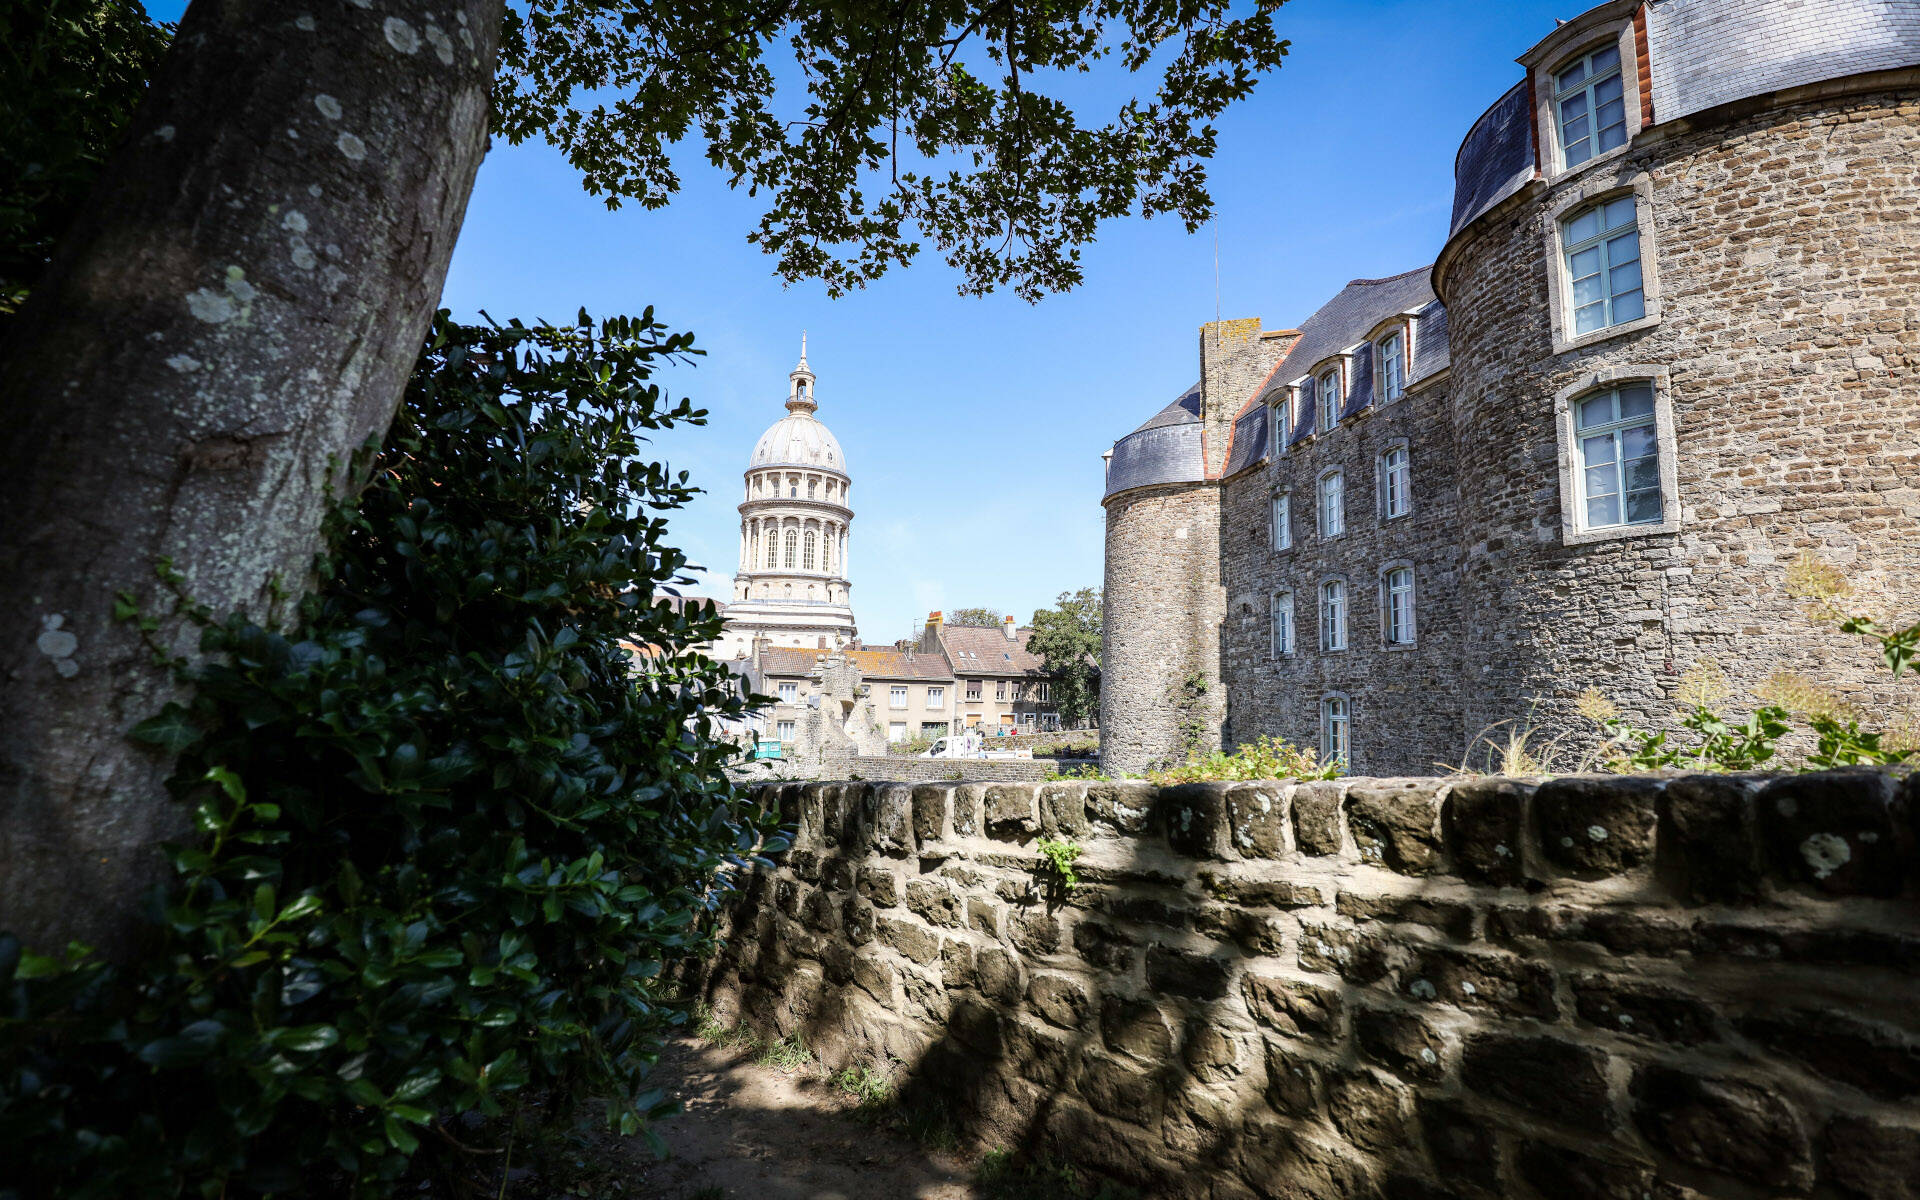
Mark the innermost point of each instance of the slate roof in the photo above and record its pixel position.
(1166, 449)
(1346, 320)
(977, 651)
(1495, 159)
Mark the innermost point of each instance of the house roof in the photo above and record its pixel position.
(788, 662)
(1164, 449)
(900, 664)
(976, 651)
(1344, 322)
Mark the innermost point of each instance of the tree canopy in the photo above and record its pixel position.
(977, 618)
(1067, 638)
(947, 120)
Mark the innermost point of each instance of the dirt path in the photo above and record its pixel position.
(753, 1132)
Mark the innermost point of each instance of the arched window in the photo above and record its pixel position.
(1335, 721)
(1390, 353)
(1396, 606)
(1333, 615)
(1618, 479)
(1330, 398)
(793, 548)
(793, 490)
(1603, 265)
(1331, 517)
(1589, 109)
(806, 560)
(1396, 483)
(812, 484)
(1280, 613)
(1280, 521)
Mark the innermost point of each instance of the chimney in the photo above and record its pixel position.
(1235, 359)
(930, 638)
(1011, 635)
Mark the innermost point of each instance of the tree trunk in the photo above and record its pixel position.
(234, 312)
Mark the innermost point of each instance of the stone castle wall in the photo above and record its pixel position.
(1160, 624)
(1785, 244)
(1371, 989)
(1402, 698)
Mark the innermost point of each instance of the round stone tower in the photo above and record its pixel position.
(792, 584)
(1681, 284)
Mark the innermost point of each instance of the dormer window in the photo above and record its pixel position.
(1329, 396)
(1590, 111)
(1390, 371)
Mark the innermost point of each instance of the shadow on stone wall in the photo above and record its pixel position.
(1595, 987)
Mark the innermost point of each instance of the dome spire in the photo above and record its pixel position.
(800, 382)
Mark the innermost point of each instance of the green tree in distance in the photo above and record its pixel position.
(1067, 638)
(976, 618)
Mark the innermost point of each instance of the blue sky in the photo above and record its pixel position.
(973, 428)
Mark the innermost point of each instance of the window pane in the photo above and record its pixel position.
(1584, 226)
(1643, 506)
(1597, 411)
(1577, 73)
(1605, 59)
(1586, 320)
(1637, 441)
(1636, 401)
(1624, 278)
(1619, 212)
(1606, 91)
(1603, 511)
(1643, 474)
(1629, 307)
(1587, 290)
(1585, 264)
(1597, 451)
(1602, 481)
(1616, 133)
(1624, 249)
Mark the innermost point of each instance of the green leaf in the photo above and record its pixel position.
(170, 729)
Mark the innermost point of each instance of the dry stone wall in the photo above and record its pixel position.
(1410, 989)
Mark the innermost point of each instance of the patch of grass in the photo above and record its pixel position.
(790, 1053)
(866, 1086)
(709, 1029)
(929, 1124)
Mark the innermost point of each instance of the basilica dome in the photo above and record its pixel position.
(798, 439)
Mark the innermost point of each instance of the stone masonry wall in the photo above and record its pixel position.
(1594, 988)
(1404, 719)
(1787, 243)
(902, 769)
(1160, 624)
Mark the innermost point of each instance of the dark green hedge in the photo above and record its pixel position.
(453, 822)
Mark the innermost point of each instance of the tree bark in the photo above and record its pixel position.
(234, 312)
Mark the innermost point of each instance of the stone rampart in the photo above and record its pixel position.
(903, 769)
(1657, 988)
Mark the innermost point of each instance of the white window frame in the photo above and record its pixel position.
(1609, 23)
(1280, 630)
(1605, 245)
(1392, 487)
(783, 730)
(1399, 628)
(1328, 392)
(789, 693)
(1585, 89)
(1280, 519)
(1574, 529)
(1390, 386)
(1043, 692)
(937, 697)
(896, 732)
(1336, 612)
(1336, 729)
(1559, 275)
(1330, 512)
(896, 697)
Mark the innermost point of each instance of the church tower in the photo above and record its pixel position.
(791, 587)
